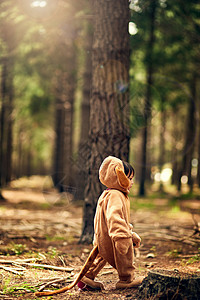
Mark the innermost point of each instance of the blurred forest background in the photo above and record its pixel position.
(48, 71)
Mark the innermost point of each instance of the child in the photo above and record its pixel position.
(113, 234)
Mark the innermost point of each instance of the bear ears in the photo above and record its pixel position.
(122, 178)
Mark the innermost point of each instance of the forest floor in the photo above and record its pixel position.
(40, 227)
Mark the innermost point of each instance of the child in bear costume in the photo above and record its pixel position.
(113, 232)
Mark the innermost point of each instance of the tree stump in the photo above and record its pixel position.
(166, 284)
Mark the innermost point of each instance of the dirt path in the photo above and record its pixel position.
(49, 232)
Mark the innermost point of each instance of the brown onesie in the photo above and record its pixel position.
(112, 230)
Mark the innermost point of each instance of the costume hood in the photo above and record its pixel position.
(111, 174)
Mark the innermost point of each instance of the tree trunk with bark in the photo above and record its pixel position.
(6, 139)
(109, 107)
(3, 122)
(162, 139)
(65, 86)
(193, 127)
(174, 151)
(169, 284)
(148, 104)
(9, 144)
(198, 149)
(190, 131)
(65, 89)
(84, 147)
(7, 96)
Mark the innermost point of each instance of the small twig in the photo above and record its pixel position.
(107, 272)
(62, 260)
(2, 295)
(56, 268)
(42, 255)
(51, 282)
(47, 280)
(19, 267)
(4, 261)
(11, 270)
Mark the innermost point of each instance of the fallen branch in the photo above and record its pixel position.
(62, 260)
(22, 236)
(19, 267)
(3, 296)
(52, 282)
(4, 261)
(56, 268)
(107, 272)
(47, 280)
(186, 239)
(10, 270)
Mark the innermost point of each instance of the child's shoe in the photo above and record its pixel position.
(133, 284)
(87, 284)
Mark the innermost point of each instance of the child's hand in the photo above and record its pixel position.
(136, 240)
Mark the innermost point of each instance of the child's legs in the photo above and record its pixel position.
(124, 265)
(96, 267)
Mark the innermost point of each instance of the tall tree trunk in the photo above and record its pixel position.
(9, 145)
(68, 127)
(65, 90)
(3, 122)
(190, 131)
(7, 102)
(29, 158)
(19, 152)
(193, 125)
(109, 108)
(59, 153)
(198, 140)
(147, 105)
(162, 139)
(84, 147)
(174, 152)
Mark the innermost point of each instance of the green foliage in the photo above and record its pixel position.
(18, 248)
(55, 238)
(193, 259)
(174, 253)
(53, 252)
(142, 204)
(6, 283)
(11, 289)
(153, 249)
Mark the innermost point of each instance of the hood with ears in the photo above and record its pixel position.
(111, 174)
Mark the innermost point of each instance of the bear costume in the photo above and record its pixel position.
(113, 233)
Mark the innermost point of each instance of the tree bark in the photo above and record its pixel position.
(3, 118)
(198, 149)
(189, 138)
(65, 85)
(9, 144)
(7, 90)
(3, 112)
(109, 107)
(193, 125)
(65, 89)
(162, 139)
(84, 147)
(169, 284)
(174, 152)
(147, 105)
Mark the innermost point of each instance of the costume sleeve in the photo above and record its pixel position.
(118, 227)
